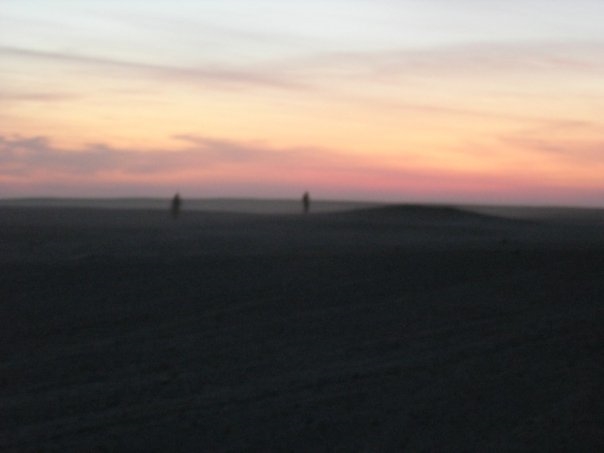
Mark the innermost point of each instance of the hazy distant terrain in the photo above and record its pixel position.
(241, 205)
(381, 328)
(288, 206)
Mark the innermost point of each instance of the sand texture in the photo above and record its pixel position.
(402, 328)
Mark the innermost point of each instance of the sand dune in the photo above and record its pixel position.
(396, 328)
(436, 215)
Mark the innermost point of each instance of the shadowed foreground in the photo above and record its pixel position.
(386, 329)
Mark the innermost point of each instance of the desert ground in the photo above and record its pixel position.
(392, 328)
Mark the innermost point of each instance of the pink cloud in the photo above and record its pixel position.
(33, 166)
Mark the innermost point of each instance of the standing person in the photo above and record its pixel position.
(176, 206)
(306, 202)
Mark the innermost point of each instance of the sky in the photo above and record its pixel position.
(498, 102)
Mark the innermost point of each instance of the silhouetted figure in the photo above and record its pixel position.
(306, 202)
(175, 209)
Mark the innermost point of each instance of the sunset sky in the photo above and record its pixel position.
(392, 100)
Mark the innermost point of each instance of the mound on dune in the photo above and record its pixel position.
(422, 214)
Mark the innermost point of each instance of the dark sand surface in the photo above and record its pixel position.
(399, 328)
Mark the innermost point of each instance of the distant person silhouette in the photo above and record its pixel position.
(175, 209)
(306, 202)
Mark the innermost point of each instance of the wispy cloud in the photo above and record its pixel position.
(465, 59)
(216, 75)
(585, 153)
(304, 73)
(417, 79)
(30, 155)
(20, 96)
(24, 157)
(220, 150)
(35, 166)
(578, 143)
